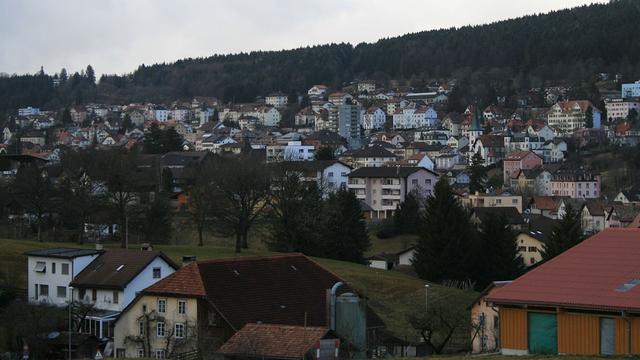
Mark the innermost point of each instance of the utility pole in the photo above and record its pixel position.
(426, 298)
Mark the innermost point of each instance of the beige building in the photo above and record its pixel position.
(569, 116)
(531, 239)
(504, 199)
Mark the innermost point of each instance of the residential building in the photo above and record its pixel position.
(370, 156)
(317, 91)
(619, 108)
(111, 281)
(374, 119)
(578, 304)
(485, 320)
(536, 181)
(531, 239)
(216, 299)
(329, 175)
(593, 217)
(510, 214)
(349, 123)
(631, 196)
(384, 188)
(569, 116)
(34, 137)
(631, 90)
(490, 147)
(620, 216)
(277, 99)
(292, 151)
(29, 111)
(306, 117)
(78, 114)
(50, 271)
(503, 199)
(552, 151)
(576, 184)
(368, 86)
(517, 161)
(340, 98)
(414, 116)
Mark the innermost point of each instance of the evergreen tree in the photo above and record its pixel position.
(496, 250)
(153, 140)
(477, 174)
(296, 222)
(588, 118)
(565, 235)
(63, 76)
(172, 141)
(444, 249)
(91, 75)
(325, 153)
(66, 116)
(407, 218)
(345, 234)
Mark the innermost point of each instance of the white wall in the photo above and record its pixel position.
(53, 280)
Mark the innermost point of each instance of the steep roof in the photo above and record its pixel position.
(546, 202)
(600, 273)
(540, 227)
(510, 214)
(186, 281)
(519, 155)
(371, 151)
(273, 341)
(278, 289)
(115, 268)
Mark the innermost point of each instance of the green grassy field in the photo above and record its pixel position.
(393, 295)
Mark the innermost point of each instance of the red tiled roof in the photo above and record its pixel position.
(186, 281)
(546, 202)
(591, 275)
(273, 341)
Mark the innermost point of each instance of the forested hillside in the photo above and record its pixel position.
(508, 56)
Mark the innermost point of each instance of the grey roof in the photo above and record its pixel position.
(540, 227)
(387, 172)
(372, 151)
(510, 214)
(63, 253)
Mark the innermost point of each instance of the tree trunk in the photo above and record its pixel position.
(238, 243)
(245, 242)
(39, 228)
(200, 240)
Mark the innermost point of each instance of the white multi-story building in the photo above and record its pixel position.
(374, 119)
(569, 116)
(412, 117)
(317, 91)
(277, 99)
(368, 86)
(619, 108)
(28, 111)
(631, 90)
(50, 271)
(292, 151)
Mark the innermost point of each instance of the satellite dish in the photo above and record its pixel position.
(53, 335)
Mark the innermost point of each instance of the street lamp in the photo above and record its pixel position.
(70, 325)
(426, 298)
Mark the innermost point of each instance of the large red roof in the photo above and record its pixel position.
(600, 273)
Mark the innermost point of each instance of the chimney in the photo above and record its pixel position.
(146, 247)
(188, 259)
(99, 247)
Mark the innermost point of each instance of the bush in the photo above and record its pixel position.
(385, 229)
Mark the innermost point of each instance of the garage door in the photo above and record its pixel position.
(543, 333)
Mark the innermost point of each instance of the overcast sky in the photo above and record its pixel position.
(115, 36)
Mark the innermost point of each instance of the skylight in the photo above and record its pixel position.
(628, 285)
(120, 267)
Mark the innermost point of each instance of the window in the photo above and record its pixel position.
(330, 173)
(44, 290)
(179, 331)
(94, 294)
(162, 305)
(157, 273)
(64, 269)
(532, 260)
(427, 181)
(160, 354)
(144, 308)
(141, 328)
(61, 291)
(182, 307)
(522, 248)
(82, 294)
(343, 174)
(160, 329)
(414, 182)
(514, 201)
(533, 249)
(41, 267)
(140, 353)
(53, 268)
(120, 353)
(116, 296)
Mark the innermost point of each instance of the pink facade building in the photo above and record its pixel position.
(576, 184)
(520, 160)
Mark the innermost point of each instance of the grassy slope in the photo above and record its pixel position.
(391, 294)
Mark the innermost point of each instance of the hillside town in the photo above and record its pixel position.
(469, 191)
